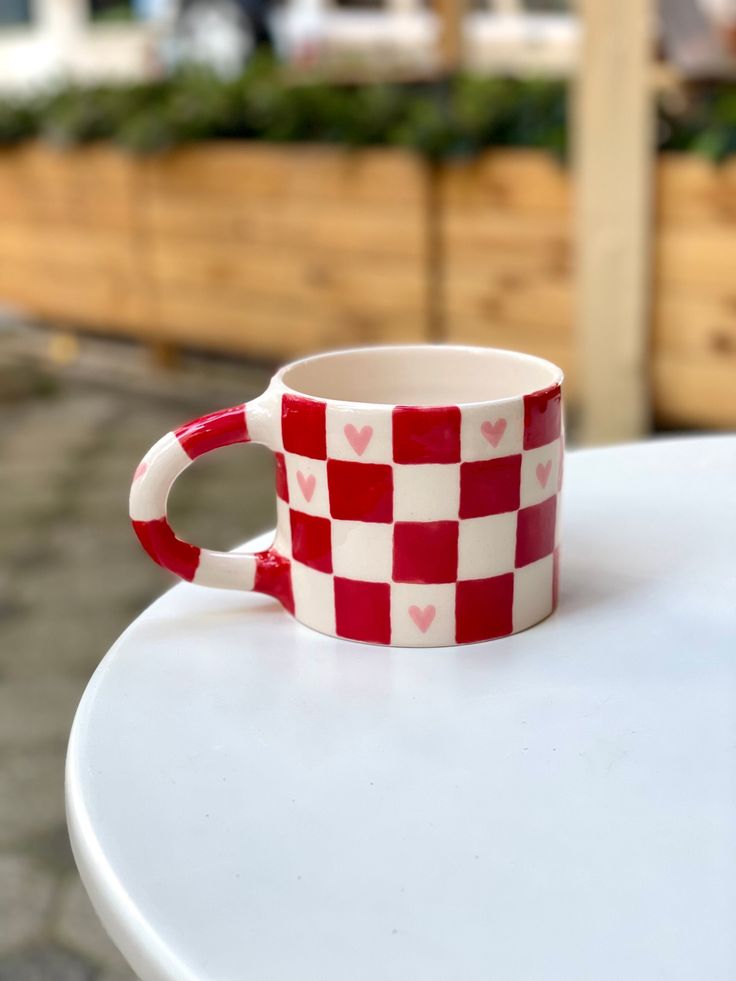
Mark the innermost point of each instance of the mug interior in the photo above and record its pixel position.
(420, 375)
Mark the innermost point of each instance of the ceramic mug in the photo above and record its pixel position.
(417, 493)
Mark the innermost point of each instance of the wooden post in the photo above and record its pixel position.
(613, 131)
(450, 14)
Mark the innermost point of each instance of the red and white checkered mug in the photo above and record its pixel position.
(417, 493)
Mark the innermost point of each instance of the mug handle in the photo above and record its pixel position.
(266, 571)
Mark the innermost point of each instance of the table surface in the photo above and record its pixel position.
(248, 799)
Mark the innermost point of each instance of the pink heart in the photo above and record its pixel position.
(423, 618)
(493, 431)
(307, 484)
(358, 438)
(140, 470)
(543, 472)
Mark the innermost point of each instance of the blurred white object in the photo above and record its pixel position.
(61, 41)
(211, 33)
(694, 36)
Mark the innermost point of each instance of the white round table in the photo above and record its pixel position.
(248, 799)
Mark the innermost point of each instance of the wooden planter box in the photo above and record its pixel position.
(274, 251)
(234, 247)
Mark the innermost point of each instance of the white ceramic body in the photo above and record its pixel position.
(417, 493)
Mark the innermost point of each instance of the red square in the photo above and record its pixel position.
(542, 417)
(555, 578)
(483, 608)
(425, 551)
(535, 532)
(303, 426)
(561, 466)
(363, 610)
(490, 486)
(282, 485)
(311, 540)
(361, 491)
(426, 435)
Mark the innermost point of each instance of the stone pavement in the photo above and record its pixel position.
(74, 422)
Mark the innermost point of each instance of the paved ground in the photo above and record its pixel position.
(73, 424)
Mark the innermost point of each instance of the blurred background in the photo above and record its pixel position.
(192, 191)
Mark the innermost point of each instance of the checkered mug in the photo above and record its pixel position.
(417, 493)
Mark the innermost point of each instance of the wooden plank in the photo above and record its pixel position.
(90, 211)
(691, 191)
(257, 171)
(469, 260)
(527, 302)
(691, 324)
(290, 273)
(614, 128)
(371, 230)
(70, 169)
(484, 227)
(67, 246)
(700, 257)
(380, 314)
(525, 182)
(275, 329)
(103, 300)
(695, 391)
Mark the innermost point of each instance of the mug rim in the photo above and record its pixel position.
(557, 372)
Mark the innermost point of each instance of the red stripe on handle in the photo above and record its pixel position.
(273, 577)
(210, 432)
(159, 540)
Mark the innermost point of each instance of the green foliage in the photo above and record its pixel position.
(437, 119)
(705, 125)
(18, 120)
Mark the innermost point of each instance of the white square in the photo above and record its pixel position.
(426, 491)
(493, 430)
(362, 550)
(533, 593)
(307, 482)
(486, 546)
(360, 435)
(539, 473)
(422, 615)
(282, 541)
(314, 597)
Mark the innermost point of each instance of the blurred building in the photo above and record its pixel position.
(94, 39)
(84, 39)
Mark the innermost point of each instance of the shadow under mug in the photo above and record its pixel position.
(417, 493)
